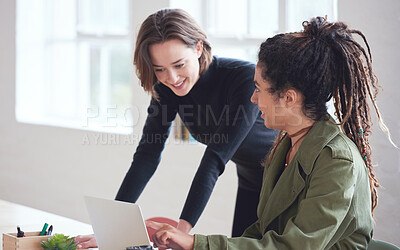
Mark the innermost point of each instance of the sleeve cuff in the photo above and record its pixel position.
(200, 242)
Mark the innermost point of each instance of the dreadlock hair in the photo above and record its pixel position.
(324, 61)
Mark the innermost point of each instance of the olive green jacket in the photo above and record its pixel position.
(322, 199)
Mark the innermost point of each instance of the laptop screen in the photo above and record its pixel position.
(116, 224)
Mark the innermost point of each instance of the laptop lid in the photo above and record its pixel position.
(116, 224)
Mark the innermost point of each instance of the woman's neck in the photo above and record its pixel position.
(297, 134)
(299, 122)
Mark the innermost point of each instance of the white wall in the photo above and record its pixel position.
(50, 169)
(380, 23)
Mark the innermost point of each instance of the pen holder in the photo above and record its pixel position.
(31, 241)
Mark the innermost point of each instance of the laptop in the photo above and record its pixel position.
(116, 224)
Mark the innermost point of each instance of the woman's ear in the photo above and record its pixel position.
(199, 48)
(291, 97)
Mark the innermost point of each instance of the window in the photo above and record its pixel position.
(74, 64)
(74, 57)
(236, 28)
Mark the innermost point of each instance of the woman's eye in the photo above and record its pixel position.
(257, 90)
(179, 65)
(158, 70)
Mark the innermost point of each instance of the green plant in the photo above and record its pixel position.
(59, 242)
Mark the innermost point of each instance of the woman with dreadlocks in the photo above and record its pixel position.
(319, 187)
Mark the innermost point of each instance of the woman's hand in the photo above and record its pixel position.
(168, 236)
(86, 241)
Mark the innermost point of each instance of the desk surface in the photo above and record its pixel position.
(30, 219)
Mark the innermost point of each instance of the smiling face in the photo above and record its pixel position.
(272, 106)
(176, 65)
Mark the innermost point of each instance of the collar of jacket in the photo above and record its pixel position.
(278, 193)
(319, 136)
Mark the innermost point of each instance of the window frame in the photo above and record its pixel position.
(82, 41)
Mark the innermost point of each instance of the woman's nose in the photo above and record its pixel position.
(172, 77)
(253, 98)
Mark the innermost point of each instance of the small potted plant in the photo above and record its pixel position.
(59, 242)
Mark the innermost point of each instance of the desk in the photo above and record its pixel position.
(30, 219)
